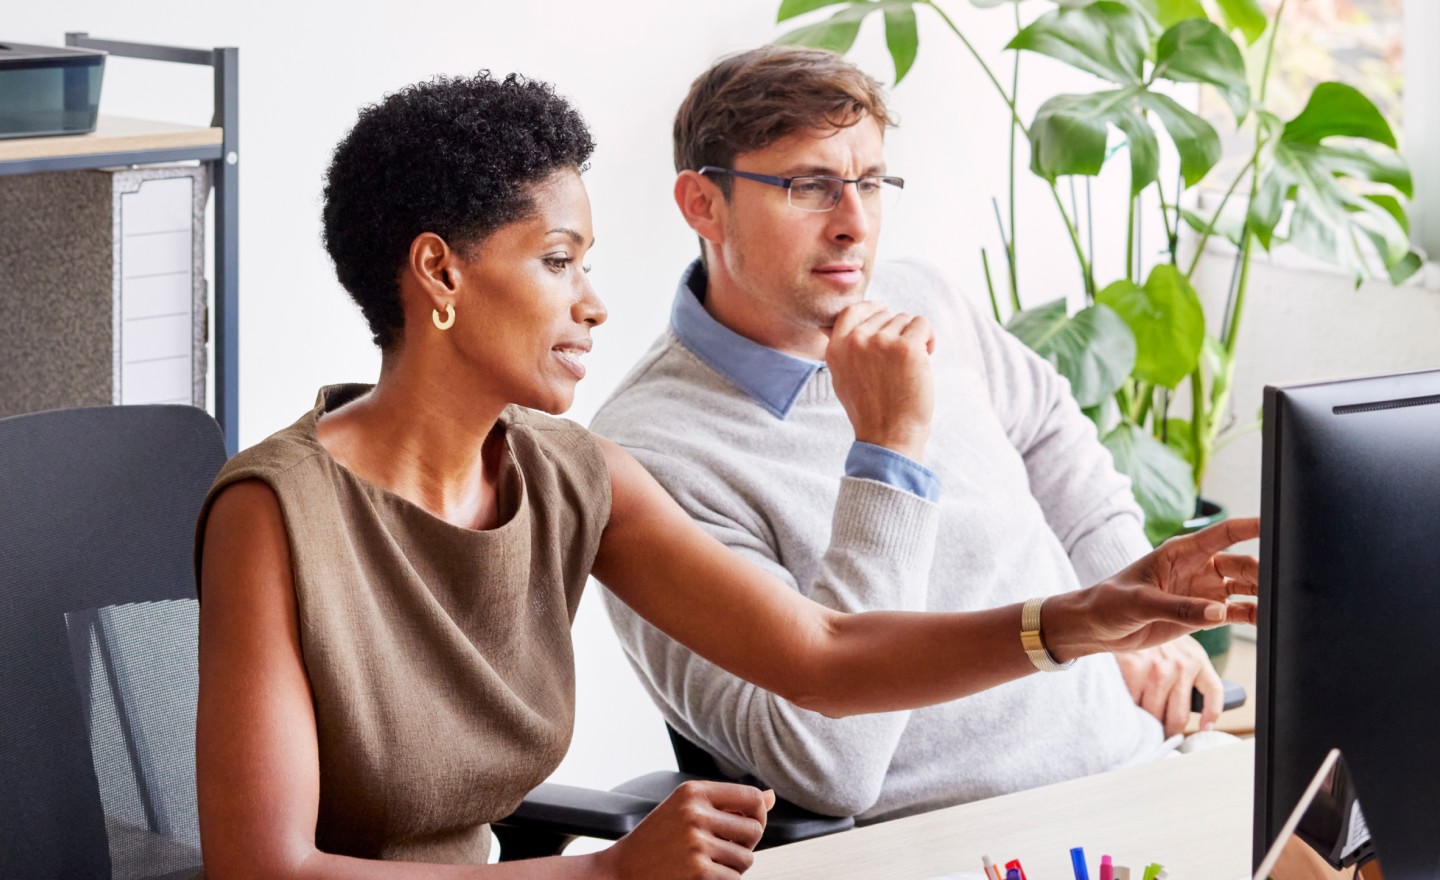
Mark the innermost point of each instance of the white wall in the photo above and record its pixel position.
(307, 67)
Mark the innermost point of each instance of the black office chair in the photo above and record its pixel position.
(98, 625)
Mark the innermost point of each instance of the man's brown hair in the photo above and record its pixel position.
(750, 100)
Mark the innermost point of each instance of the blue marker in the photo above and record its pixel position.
(1012, 874)
(1077, 860)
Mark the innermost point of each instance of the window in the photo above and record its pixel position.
(1363, 43)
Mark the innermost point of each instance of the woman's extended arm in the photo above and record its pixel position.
(655, 559)
(257, 762)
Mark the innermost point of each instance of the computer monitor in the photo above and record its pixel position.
(1349, 617)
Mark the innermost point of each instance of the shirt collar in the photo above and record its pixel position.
(771, 378)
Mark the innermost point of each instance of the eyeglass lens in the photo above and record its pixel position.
(824, 193)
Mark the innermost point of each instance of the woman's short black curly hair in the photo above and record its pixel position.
(454, 156)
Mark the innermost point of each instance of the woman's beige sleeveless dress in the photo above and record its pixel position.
(439, 657)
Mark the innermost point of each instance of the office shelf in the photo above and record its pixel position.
(117, 140)
(120, 142)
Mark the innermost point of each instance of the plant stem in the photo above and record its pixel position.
(1270, 50)
(1130, 241)
(1009, 256)
(1165, 216)
(1089, 219)
(990, 286)
(1175, 232)
(1198, 428)
(1221, 388)
(1009, 101)
(1014, 96)
(1144, 401)
(1016, 121)
(1210, 226)
(1139, 241)
(1229, 334)
(1086, 272)
(1124, 398)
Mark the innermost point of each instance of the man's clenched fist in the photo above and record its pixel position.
(880, 366)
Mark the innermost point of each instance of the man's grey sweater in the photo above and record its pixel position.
(1031, 505)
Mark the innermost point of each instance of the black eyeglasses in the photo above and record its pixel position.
(822, 192)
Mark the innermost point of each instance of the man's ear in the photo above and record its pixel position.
(702, 204)
(434, 266)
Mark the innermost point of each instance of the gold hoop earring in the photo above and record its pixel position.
(443, 324)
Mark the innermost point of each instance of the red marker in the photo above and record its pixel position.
(1015, 863)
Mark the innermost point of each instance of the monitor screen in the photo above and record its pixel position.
(1350, 606)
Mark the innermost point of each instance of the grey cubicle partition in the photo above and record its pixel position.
(105, 278)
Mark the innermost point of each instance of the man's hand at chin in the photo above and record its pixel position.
(1161, 678)
(880, 367)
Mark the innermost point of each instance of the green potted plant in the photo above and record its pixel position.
(1138, 353)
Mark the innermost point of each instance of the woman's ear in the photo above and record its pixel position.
(702, 204)
(434, 265)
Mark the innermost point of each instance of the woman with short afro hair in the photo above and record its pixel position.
(388, 584)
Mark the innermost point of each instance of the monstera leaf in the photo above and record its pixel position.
(837, 33)
(1168, 322)
(991, 4)
(1245, 16)
(1093, 348)
(1161, 480)
(1197, 51)
(1070, 132)
(902, 37)
(1112, 40)
(1168, 12)
(1337, 162)
(791, 8)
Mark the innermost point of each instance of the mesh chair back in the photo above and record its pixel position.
(98, 640)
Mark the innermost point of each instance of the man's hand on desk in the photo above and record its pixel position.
(1161, 679)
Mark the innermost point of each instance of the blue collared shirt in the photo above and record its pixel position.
(775, 379)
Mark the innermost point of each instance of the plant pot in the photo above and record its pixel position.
(1215, 641)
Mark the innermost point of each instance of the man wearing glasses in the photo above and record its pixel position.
(807, 415)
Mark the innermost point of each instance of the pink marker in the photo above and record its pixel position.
(1107, 868)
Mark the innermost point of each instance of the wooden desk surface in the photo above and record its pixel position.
(1191, 814)
(113, 134)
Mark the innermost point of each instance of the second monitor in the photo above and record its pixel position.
(1349, 619)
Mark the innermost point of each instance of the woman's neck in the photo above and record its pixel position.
(435, 445)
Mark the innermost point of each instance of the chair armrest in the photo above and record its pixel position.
(786, 823)
(789, 823)
(552, 814)
(579, 812)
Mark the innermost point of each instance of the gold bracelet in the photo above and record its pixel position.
(1032, 641)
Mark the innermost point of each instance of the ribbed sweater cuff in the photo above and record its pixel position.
(1108, 549)
(875, 518)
